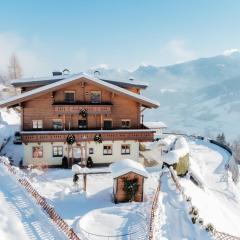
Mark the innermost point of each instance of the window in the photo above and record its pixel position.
(107, 124)
(57, 151)
(37, 152)
(37, 124)
(57, 124)
(69, 96)
(91, 151)
(95, 97)
(126, 123)
(125, 149)
(82, 124)
(107, 150)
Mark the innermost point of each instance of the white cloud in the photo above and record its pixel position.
(176, 51)
(229, 52)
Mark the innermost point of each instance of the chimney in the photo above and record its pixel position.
(56, 73)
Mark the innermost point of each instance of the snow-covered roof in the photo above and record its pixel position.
(125, 166)
(181, 148)
(68, 81)
(155, 125)
(40, 81)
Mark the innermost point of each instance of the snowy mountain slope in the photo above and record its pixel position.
(9, 123)
(20, 217)
(219, 201)
(200, 96)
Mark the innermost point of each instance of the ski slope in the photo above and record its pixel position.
(20, 217)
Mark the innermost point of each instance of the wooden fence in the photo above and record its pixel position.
(153, 211)
(217, 235)
(61, 224)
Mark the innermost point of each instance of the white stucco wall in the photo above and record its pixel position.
(97, 155)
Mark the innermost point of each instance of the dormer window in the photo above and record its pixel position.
(95, 96)
(69, 96)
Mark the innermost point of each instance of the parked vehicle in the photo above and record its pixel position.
(17, 138)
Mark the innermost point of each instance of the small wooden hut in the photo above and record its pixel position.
(128, 184)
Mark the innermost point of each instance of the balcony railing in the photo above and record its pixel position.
(76, 107)
(88, 135)
(80, 103)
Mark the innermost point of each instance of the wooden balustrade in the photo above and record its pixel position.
(91, 109)
(61, 224)
(60, 136)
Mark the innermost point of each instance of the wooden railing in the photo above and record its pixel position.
(113, 135)
(60, 223)
(217, 234)
(224, 236)
(91, 109)
(154, 212)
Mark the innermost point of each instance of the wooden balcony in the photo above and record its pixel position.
(76, 107)
(141, 135)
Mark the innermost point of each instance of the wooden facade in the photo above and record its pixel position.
(51, 111)
(120, 194)
(51, 106)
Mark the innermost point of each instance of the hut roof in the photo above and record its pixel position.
(125, 166)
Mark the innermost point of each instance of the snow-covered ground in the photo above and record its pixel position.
(174, 221)
(95, 213)
(20, 217)
(219, 201)
(83, 211)
(9, 123)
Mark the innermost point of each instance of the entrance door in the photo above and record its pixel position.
(77, 154)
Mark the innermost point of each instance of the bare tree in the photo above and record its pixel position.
(14, 68)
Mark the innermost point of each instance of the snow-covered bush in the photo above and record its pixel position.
(179, 157)
(210, 228)
(200, 221)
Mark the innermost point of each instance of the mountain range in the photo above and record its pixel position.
(197, 97)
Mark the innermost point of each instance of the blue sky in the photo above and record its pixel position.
(80, 34)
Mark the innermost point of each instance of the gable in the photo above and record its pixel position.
(75, 80)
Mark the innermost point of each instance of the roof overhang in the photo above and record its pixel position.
(13, 101)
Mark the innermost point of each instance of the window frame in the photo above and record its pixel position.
(37, 124)
(39, 155)
(57, 155)
(109, 120)
(91, 151)
(108, 151)
(95, 102)
(74, 96)
(83, 119)
(57, 120)
(124, 126)
(124, 150)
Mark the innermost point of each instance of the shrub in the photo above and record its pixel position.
(194, 220)
(200, 221)
(209, 228)
(188, 199)
(193, 211)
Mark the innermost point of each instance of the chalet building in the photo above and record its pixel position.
(79, 117)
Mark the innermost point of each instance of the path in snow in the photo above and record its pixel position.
(20, 217)
(174, 221)
(219, 201)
